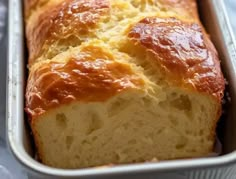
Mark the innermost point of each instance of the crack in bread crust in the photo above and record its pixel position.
(183, 51)
(68, 18)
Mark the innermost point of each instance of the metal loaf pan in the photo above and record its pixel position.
(215, 19)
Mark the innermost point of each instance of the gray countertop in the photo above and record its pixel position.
(9, 168)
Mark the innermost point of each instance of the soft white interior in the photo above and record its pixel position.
(130, 127)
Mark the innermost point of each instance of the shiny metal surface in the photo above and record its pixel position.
(217, 24)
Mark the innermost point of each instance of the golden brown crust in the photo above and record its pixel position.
(92, 75)
(30, 5)
(70, 17)
(183, 51)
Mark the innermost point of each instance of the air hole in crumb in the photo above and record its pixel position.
(188, 132)
(94, 124)
(181, 143)
(85, 142)
(77, 157)
(61, 120)
(146, 102)
(201, 132)
(160, 131)
(117, 157)
(94, 138)
(120, 156)
(126, 126)
(139, 123)
(132, 142)
(164, 104)
(173, 120)
(117, 106)
(180, 146)
(182, 103)
(203, 108)
(173, 95)
(69, 141)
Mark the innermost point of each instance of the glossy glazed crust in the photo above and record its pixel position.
(60, 20)
(183, 51)
(180, 47)
(90, 76)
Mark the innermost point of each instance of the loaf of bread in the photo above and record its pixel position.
(120, 81)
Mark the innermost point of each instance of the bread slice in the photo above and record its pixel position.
(141, 82)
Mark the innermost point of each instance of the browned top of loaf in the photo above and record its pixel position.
(183, 51)
(92, 75)
(178, 44)
(59, 20)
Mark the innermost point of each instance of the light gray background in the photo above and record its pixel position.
(9, 168)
